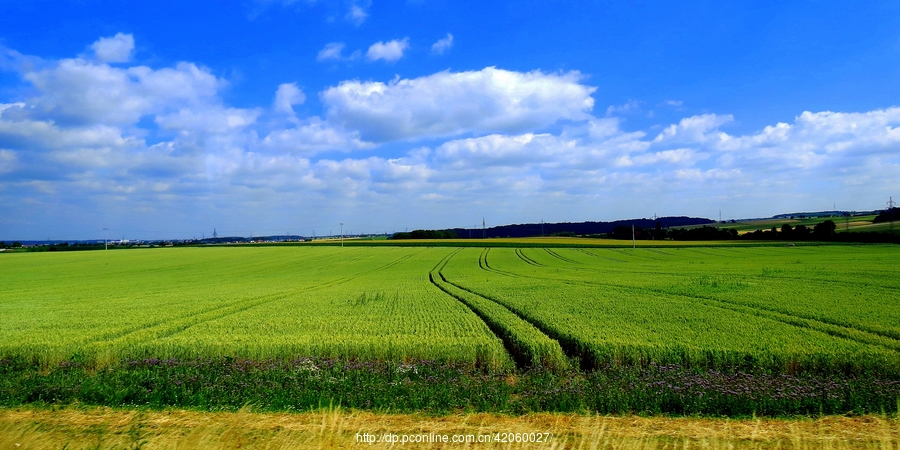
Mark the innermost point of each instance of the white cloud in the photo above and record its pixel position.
(389, 51)
(681, 157)
(630, 107)
(11, 106)
(116, 49)
(17, 131)
(81, 91)
(442, 45)
(694, 129)
(503, 150)
(356, 15)
(817, 140)
(8, 161)
(211, 120)
(288, 95)
(331, 51)
(143, 143)
(446, 104)
(312, 137)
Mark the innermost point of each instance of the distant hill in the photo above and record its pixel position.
(810, 215)
(578, 228)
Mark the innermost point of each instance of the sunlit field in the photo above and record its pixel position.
(765, 330)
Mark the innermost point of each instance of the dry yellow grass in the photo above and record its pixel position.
(74, 428)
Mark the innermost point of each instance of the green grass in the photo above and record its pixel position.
(709, 307)
(514, 328)
(248, 302)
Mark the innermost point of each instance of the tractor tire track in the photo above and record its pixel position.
(527, 260)
(483, 263)
(590, 253)
(560, 257)
(526, 345)
(833, 328)
(573, 348)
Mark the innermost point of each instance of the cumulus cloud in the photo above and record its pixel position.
(825, 140)
(288, 95)
(75, 90)
(495, 149)
(356, 11)
(332, 51)
(447, 103)
(163, 142)
(311, 137)
(116, 49)
(442, 45)
(694, 129)
(389, 51)
(630, 107)
(670, 158)
(8, 160)
(357, 14)
(827, 131)
(211, 120)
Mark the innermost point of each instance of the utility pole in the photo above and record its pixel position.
(105, 241)
(633, 243)
(891, 204)
(483, 231)
(342, 234)
(542, 227)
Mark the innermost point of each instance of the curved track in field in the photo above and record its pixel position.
(853, 332)
(526, 343)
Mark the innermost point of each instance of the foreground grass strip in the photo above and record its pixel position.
(336, 428)
(440, 388)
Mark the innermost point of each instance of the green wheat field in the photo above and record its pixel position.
(772, 330)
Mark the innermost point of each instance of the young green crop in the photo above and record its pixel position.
(716, 308)
(528, 345)
(815, 308)
(249, 302)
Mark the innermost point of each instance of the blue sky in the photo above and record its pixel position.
(169, 119)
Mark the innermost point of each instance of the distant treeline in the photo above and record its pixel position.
(576, 228)
(425, 234)
(824, 231)
(704, 233)
(888, 215)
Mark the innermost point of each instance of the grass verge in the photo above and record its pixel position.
(440, 388)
